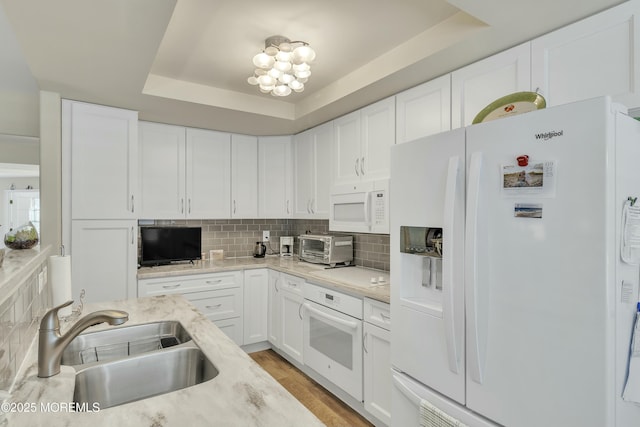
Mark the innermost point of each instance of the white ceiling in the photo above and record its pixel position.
(186, 61)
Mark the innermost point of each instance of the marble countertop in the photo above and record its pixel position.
(242, 393)
(18, 265)
(289, 265)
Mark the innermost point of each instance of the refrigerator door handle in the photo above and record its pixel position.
(414, 398)
(449, 307)
(471, 269)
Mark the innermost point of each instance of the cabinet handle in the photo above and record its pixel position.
(209, 282)
(171, 286)
(287, 207)
(357, 162)
(132, 235)
(308, 204)
(132, 205)
(189, 204)
(275, 284)
(364, 342)
(300, 312)
(385, 317)
(181, 205)
(362, 166)
(234, 206)
(213, 307)
(311, 204)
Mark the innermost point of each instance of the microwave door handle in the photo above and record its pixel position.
(347, 323)
(367, 214)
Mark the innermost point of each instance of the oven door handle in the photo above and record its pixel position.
(349, 324)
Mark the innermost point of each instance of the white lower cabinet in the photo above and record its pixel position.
(291, 300)
(377, 360)
(93, 242)
(219, 296)
(256, 295)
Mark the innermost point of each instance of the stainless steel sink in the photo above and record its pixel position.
(116, 343)
(139, 377)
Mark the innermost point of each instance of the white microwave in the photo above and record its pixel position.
(360, 208)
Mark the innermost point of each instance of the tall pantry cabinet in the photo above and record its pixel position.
(100, 195)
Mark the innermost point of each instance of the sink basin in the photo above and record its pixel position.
(116, 343)
(139, 377)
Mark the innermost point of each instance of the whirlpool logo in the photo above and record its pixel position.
(548, 135)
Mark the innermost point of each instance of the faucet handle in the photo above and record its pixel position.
(50, 321)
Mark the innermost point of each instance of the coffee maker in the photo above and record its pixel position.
(286, 246)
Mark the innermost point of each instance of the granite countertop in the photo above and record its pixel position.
(242, 393)
(19, 264)
(289, 265)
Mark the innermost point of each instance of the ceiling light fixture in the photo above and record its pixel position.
(283, 66)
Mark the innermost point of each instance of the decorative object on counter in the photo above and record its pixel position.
(216, 254)
(283, 66)
(511, 105)
(1, 256)
(23, 237)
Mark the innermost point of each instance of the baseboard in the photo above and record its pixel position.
(259, 346)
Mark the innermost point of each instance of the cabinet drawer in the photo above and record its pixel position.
(291, 283)
(193, 283)
(377, 313)
(218, 304)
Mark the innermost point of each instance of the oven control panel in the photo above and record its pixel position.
(338, 301)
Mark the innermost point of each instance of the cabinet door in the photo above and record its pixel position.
(479, 84)
(162, 171)
(274, 183)
(377, 372)
(292, 326)
(274, 323)
(323, 143)
(256, 295)
(103, 144)
(208, 174)
(378, 136)
(244, 176)
(304, 171)
(593, 57)
(346, 149)
(105, 254)
(424, 110)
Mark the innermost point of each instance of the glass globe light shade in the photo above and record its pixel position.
(271, 51)
(286, 78)
(266, 89)
(282, 90)
(300, 89)
(282, 66)
(301, 67)
(275, 73)
(260, 71)
(285, 47)
(266, 80)
(284, 56)
(303, 54)
(252, 80)
(296, 85)
(302, 79)
(262, 60)
(303, 74)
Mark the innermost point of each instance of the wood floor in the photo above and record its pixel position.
(328, 408)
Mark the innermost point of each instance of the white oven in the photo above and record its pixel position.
(333, 337)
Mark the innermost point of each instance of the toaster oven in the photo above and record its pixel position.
(330, 249)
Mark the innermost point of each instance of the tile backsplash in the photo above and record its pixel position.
(237, 237)
(20, 313)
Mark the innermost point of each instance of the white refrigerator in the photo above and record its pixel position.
(517, 309)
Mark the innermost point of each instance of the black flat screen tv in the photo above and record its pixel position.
(164, 245)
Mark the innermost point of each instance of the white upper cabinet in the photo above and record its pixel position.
(275, 186)
(424, 110)
(102, 145)
(208, 174)
(162, 171)
(593, 57)
(244, 176)
(479, 84)
(184, 173)
(312, 164)
(362, 140)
